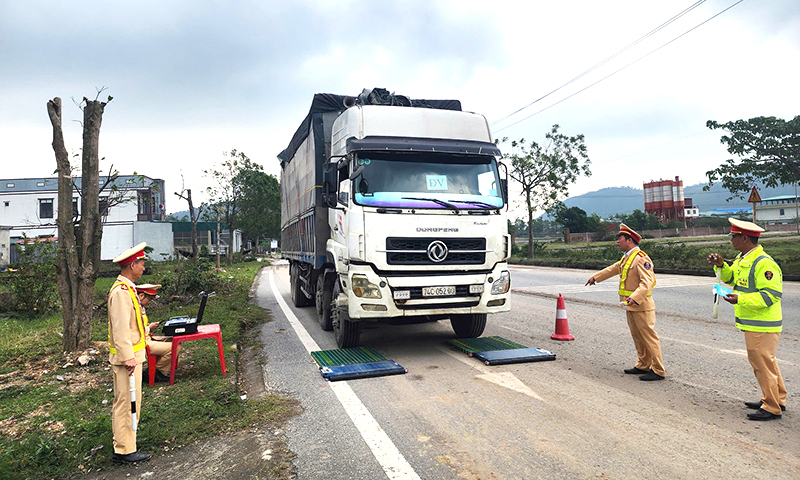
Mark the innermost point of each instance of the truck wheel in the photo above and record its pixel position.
(298, 297)
(469, 325)
(345, 330)
(323, 304)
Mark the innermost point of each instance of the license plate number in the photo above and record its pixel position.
(438, 291)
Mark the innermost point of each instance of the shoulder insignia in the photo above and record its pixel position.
(768, 275)
(123, 286)
(647, 265)
(642, 254)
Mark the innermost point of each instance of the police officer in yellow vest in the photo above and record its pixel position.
(126, 341)
(636, 283)
(757, 290)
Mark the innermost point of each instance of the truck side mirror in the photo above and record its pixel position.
(330, 184)
(504, 187)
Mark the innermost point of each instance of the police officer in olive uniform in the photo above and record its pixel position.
(757, 290)
(126, 342)
(636, 283)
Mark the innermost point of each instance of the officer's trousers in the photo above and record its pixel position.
(163, 352)
(761, 348)
(124, 436)
(645, 339)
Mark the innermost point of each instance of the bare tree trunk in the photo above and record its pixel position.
(67, 256)
(193, 219)
(530, 223)
(77, 263)
(218, 242)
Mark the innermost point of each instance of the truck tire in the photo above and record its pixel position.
(345, 330)
(323, 304)
(299, 298)
(469, 325)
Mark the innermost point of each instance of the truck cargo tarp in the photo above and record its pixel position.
(329, 102)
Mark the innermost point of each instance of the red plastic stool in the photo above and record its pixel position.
(203, 331)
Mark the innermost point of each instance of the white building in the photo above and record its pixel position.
(780, 209)
(29, 206)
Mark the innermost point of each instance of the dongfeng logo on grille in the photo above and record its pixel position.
(437, 251)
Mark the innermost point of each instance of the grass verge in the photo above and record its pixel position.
(55, 414)
(669, 255)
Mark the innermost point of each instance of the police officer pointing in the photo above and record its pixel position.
(757, 290)
(636, 283)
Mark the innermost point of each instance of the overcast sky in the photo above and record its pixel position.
(194, 79)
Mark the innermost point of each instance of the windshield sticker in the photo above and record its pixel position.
(436, 182)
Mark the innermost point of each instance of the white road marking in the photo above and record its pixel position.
(613, 286)
(386, 453)
(504, 379)
(740, 351)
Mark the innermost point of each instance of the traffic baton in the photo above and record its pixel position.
(715, 312)
(133, 401)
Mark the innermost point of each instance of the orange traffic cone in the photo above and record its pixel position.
(562, 326)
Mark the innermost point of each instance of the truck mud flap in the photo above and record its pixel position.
(500, 351)
(353, 363)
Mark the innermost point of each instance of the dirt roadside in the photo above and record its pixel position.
(258, 453)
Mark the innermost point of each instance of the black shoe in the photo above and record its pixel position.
(160, 377)
(651, 376)
(762, 415)
(757, 405)
(635, 371)
(130, 458)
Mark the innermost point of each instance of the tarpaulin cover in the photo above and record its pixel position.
(330, 102)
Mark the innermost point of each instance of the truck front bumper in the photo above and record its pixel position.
(452, 293)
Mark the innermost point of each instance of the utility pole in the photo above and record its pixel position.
(218, 242)
(796, 210)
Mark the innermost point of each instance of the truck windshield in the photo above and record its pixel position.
(427, 181)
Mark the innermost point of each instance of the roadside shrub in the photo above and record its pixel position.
(190, 278)
(521, 250)
(32, 287)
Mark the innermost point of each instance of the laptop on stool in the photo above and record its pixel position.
(184, 325)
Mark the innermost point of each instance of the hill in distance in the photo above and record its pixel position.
(609, 201)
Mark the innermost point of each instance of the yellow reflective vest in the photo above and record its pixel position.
(625, 265)
(758, 281)
(141, 326)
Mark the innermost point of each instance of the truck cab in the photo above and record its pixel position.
(416, 223)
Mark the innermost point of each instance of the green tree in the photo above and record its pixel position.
(638, 220)
(768, 149)
(545, 171)
(226, 193)
(574, 218)
(259, 204)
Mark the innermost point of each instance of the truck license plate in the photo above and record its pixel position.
(438, 291)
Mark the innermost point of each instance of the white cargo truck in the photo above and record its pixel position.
(395, 210)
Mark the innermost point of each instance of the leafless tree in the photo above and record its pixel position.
(194, 215)
(78, 259)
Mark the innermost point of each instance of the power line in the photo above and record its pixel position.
(652, 148)
(623, 68)
(640, 39)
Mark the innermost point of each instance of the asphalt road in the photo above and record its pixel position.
(451, 417)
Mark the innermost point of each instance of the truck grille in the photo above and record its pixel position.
(413, 251)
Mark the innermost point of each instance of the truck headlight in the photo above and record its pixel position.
(363, 288)
(502, 284)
